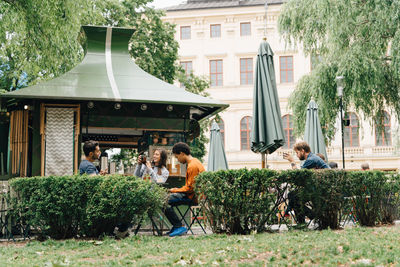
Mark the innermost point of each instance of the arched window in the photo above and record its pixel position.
(221, 126)
(383, 136)
(245, 128)
(287, 121)
(351, 133)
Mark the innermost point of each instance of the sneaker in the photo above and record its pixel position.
(172, 229)
(178, 231)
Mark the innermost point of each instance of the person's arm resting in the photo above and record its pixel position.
(188, 187)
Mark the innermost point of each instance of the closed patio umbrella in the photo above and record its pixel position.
(216, 154)
(313, 133)
(267, 131)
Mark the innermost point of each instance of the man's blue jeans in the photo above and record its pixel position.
(169, 211)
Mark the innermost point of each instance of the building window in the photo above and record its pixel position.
(185, 33)
(246, 71)
(351, 135)
(216, 72)
(287, 121)
(215, 30)
(221, 126)
(187, 66)
(383, 134)
(245, 128)
(245, 29)
(286, 69)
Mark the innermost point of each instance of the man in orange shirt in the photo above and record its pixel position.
(184, 194)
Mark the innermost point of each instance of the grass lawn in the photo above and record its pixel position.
(360, 246)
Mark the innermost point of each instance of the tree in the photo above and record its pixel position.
(359, 40)
(42, 39)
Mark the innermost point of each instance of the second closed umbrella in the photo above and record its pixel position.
(313, 132)
(216, 154)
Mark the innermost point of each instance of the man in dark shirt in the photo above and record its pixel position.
(312, 161)
(92, 152)
(303, 152)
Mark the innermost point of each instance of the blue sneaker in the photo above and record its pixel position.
(170, 231)
(178, 231)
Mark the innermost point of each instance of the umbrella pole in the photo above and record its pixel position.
(262, 160)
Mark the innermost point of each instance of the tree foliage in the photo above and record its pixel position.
(42, 39)
(357, 39)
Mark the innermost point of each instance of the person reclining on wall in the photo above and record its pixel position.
(92, 152)
(186, 193)
(311, 161)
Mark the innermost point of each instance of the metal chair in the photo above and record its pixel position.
(5, 219)
(190, 206)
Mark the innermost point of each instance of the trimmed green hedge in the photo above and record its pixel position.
(234, 201)
(241, 201)
(63, 207)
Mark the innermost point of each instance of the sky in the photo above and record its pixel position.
(165, 3)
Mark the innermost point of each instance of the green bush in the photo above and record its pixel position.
(63, 207)
(367, 192)
(241, 201)
(120, 201)
(375, 196)
(327, 197)
(391, 202)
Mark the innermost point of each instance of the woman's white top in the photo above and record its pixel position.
(141, 170)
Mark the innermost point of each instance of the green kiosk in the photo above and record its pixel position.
(106, 98)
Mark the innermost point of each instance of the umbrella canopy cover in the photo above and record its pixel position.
(267, 131)
(313, 133)
(216, 154)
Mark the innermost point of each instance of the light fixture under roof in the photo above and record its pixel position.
(117, 106)
(170, 108)
(143, 107)
(90, 104)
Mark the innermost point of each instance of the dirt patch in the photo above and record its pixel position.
(103, 258)
(91, 260)
(264, 256)
(17, 244)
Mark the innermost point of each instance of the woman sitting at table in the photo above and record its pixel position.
(157, 170)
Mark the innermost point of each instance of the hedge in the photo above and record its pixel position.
(242, 201)
(234, 201)
(67, 206)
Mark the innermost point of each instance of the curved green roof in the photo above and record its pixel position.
(108, 73)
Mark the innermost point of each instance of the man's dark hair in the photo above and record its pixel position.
(333, 165)
(181, 147)
(89, 146)
(365, 166)
(302, 145)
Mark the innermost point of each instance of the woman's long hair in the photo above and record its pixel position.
(163, 160)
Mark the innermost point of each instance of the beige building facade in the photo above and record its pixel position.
(220, 39)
